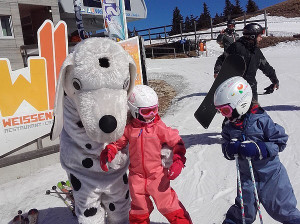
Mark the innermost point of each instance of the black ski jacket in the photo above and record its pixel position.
(227, 38)
(254, 60)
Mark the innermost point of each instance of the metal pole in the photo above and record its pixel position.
(124, 19)
(39, 143)
(240, 187)
(134, 31)
(266, 25)
(152, 52)
(255, 189)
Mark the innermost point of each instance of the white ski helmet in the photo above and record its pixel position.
(141, 96)
(235, 92)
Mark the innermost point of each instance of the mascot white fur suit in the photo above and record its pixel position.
(90, 110)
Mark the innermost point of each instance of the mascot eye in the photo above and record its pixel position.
(104, 62)
(126, 84)
(76, 84)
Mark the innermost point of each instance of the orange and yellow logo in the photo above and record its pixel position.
(38, 89)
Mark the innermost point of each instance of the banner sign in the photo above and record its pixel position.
(115, 19)
(132, 46)
(27, 95)
(78, 18)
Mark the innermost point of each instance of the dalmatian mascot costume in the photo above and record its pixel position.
(91, 110)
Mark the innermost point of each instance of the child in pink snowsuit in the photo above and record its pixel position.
(146, 134)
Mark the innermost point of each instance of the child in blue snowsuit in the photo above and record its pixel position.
(250, 132)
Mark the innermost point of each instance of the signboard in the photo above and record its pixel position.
(27, 95)
(132, 47)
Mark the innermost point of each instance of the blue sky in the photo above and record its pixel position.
(160, 12)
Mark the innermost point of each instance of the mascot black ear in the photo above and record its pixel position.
(132, 73)
(59, 97)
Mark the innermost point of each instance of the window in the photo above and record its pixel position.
(127, 5)
(5, 26)
(97, 4)
(92, 3)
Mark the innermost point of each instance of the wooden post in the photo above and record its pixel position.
(165, 34)
(149, 36)
(195, 28)
(266, 24)
(181, 30)
(244, 19)
(211, 28)
(39, 143)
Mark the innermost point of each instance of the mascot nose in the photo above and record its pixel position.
(108, 123)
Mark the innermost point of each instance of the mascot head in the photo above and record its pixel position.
(97, 77)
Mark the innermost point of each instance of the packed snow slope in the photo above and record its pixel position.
(207, 185)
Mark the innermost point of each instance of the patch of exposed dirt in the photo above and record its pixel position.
(165, 93)
(288, 9)
(272, 41)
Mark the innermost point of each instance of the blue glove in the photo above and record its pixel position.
(254, 151)
(231, 149)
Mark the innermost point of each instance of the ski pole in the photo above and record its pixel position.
(240, 187)
(255, 189)
(54, 192)
(64, 200)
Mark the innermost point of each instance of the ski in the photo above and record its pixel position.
(66, 188)
(19, 219)
(67, 202)
(32, 216)
(233, 65)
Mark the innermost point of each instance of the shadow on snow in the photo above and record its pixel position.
(201, 139)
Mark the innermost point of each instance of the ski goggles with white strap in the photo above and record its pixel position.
(148, 111)
(225, 110)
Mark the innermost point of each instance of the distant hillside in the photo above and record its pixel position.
(288, 9)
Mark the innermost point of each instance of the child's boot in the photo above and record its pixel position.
(179, 217)
(139, 219)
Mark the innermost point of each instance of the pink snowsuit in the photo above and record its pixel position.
(147, 176)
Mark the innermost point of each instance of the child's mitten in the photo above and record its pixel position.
(107, 155)
(254, 150)
(176, 167)
(232, 149)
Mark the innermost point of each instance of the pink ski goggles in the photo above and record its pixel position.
(225, 110)
(148, 111)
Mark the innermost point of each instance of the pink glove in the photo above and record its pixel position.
(175, 168)
(107, 155)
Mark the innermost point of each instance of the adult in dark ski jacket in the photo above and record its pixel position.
(228, 36)
(246, 46)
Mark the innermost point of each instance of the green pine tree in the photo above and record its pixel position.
(227, 12)
(204, 19)
(217, 19)
(251, 6)
(237, 9)
(177, 19)
(187, 25)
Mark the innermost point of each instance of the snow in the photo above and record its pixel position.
(278, 26)
(207, 185)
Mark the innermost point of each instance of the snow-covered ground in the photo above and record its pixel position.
(278, 26)
(207, 185)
